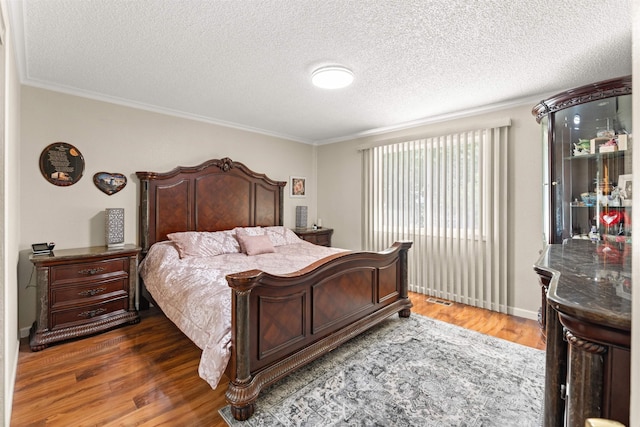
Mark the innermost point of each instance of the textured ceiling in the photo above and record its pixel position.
(247, 64)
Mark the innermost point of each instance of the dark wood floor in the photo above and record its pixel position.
(147, 374)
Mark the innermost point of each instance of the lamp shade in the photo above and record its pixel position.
(301, 217)
(114, 227)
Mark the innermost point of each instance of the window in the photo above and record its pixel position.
(447, 194)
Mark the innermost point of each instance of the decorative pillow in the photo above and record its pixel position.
(246, 231)
(280, 235)
(204, 243)
(254, 245)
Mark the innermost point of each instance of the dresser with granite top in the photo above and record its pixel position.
(588, 328)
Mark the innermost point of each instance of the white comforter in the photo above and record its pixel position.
(194, 293)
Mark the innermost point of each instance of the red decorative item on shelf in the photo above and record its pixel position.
(610, 218)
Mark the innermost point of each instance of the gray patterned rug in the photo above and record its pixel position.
(410, 372)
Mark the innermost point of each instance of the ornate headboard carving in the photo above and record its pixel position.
(216, 195)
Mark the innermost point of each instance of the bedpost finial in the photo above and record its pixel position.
(226, 164)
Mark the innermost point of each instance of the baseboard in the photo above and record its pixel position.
(24, 332)
(527, 314)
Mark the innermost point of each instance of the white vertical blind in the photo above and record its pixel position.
(448, 194)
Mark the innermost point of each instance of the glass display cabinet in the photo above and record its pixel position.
(588, 145)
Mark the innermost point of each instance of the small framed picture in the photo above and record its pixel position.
(626, 189)
(298, 185)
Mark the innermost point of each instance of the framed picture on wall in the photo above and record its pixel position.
(298, 185)
(61, 164)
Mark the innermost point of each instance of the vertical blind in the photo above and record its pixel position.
(448, 195)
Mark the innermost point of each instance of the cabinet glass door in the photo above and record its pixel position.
(546, 187)
(590, 176)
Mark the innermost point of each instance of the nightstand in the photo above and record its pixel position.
(83, 291)
(321, 236)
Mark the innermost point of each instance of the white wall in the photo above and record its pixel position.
(339, 193)
(10, 215)
(118, 139)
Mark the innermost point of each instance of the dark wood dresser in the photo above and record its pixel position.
(320, 236)
(588, 327)
(83, 291)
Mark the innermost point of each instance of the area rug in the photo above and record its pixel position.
(410, 372)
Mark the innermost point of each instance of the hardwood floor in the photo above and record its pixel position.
(147, 374)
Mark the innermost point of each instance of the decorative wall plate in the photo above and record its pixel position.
(61, 164)
(109, 183)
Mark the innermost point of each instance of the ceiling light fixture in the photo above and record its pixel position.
(576, 119)
(332, 77)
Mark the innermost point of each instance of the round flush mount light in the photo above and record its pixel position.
(576, 119)
(332, 77)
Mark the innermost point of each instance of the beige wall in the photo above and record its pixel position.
(114, 138)
(339, 193)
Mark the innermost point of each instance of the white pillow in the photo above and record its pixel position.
(280, 236)
(204, 243)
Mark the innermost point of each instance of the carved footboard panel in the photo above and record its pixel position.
(281, 323)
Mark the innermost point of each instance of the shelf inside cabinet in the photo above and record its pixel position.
(573, 205)
(599, 156)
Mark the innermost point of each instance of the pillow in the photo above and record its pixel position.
(250, 231)
(280, 235)
(246, 231)
(204, 243)
(254, 245)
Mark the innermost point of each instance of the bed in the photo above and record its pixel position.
(278, 321)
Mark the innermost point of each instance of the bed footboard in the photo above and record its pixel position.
(281, 323)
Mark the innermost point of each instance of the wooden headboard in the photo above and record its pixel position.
(219, 194)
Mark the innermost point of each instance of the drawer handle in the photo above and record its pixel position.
(92, 313)
(91, 292)
(92, 271)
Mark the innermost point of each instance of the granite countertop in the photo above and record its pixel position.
(590, 281)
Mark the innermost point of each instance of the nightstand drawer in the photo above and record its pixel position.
(319, 236)
(322, 239)
(318, 239)
(88, 293)
(88, 270)
(87, 314)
